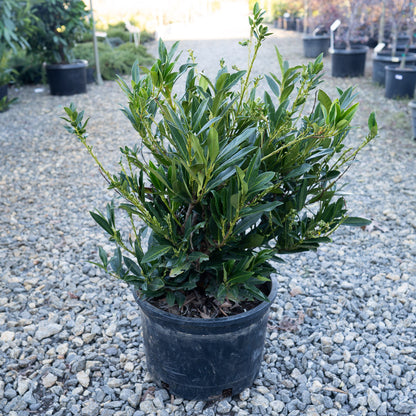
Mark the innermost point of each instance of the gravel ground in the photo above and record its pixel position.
(342, 331)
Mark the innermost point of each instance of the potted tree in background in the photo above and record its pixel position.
(400, 15)
(400, 74)
(278, 9)
(316, 20)
(233, 181)
(349, 61)
(60, 24)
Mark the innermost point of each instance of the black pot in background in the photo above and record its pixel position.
(402, 41)
(348, 62)
(400, 82)
(384, 58)
(67, 79)
(400, 48)
(313, 46)
(3, 91)
(289, 23)
(202, 359)
(90, 75)
(299, 24)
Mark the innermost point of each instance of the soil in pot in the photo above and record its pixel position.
(348, 62)
(203, 359)
(313, 46)
(400, 82)
(384, 58)
(67, 79)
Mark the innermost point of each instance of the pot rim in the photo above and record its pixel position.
(359, 50)
(393, 59)
(79, 63)
(406, 69)
(312, 37)
(213, 322)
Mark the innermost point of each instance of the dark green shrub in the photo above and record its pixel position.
(28, 68)
(233, 180)
(113, 62)
(123, 34)
(117, 26)
(146, 36)
(129, 53)
(58, 25)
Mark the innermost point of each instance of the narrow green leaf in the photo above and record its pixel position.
(273, 85)
(103, 256)
(155, 252)
(213, 144)
(132, 267)
(356, 222)
(102, 222)
(372, 124)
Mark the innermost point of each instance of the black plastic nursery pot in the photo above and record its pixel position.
(348, 62)
(3, 91)
(400, 82)
(67, 79)
(384, 58)
(313, 46)
(90, 75)
(203, 359)
(289, 23)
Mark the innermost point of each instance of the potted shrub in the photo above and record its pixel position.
(233, 181)
(60, 24)
(399, 13)
(13, 32)
(318, 41)
(350, 61)
(400, 75)
(278, 9)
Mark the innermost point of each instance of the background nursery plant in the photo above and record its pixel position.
(233, 180)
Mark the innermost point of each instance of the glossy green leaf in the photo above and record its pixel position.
(356, 222)
(155, 252)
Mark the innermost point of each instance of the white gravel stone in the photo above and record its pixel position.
(396, 369)
(223, 407)
(49, 380)
(373, 400)
(316, 386)
(114, 382)
(62, 349)
(147, 406)
(259, 400)
(23, 385)
(111, 330)
(244, 395)
(47, 329)
(277, 405)
(7, 336)
(83, 378)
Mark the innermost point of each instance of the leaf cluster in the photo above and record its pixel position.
(233, 180)
(58, 24)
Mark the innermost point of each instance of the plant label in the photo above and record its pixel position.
(380, 46)
(335, 25)
(398, 76)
